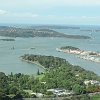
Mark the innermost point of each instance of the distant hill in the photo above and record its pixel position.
(35, 32)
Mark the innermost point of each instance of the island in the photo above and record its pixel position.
(59, 80)
(83, 54)
(35, 32)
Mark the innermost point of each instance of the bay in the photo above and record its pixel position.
(10, 61)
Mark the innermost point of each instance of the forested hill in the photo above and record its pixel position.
(51, 62)
(58, 74)
(35, 32)
(46, 61)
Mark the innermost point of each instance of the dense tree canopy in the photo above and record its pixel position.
(59, 73)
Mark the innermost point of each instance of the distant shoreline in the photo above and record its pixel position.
(36, 32)
(7, 39)
(93, 59)
(86, 55)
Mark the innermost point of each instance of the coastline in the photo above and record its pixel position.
(86, 55)
(90, 58)
(33, 62)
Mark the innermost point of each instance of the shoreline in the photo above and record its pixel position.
(86, 55)
(33, 62)
(89, 58)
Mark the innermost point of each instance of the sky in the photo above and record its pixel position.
(64, 12)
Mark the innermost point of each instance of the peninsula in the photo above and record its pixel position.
(60, 74)
(60, 79)
(83, 54)
(35, 32)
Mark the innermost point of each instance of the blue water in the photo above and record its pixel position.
(10, 62)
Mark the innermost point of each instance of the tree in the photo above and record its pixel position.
(78, 89)
(38, 72)
(13, 90)
(18, 96)
(95, 97)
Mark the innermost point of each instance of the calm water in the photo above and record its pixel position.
(10, 62)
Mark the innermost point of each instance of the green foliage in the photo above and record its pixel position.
(46, 61)
(78, 89)
(13, 90)
(59, 74)
(95, 97)
(49, 93)
(69, 48)
(85, 97)
(38, 72)
(3, 80)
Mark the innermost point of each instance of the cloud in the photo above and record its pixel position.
(81, 17)
(48, 3)
(90, 17)
(3, 12)
(18, 14)
(80, 2)
(26, 14)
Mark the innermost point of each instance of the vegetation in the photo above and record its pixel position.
(59, 69)
(69, 48)
(59, 74)
(95, 97)
(35, 32)
(13, 86)
(46, 61)
(93, 53)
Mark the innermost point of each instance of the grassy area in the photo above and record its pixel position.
(29, 91)
(40, 76)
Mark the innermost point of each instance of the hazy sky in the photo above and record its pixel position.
(50, 11)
